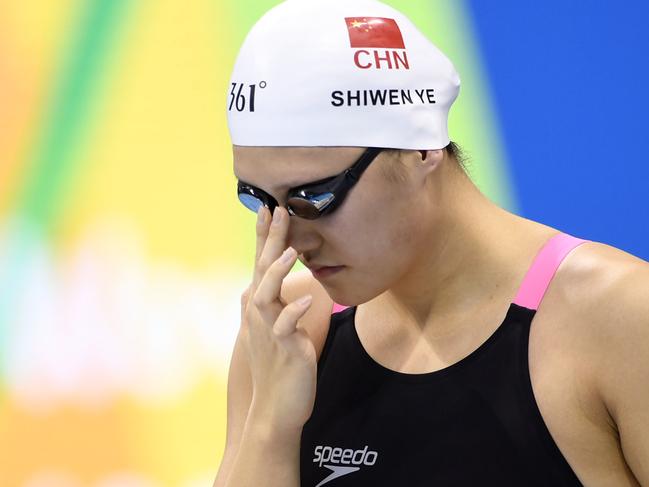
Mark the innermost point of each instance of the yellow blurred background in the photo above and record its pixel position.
(123, 247)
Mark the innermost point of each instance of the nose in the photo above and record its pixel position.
(303, 235)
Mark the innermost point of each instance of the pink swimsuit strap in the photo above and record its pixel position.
(338, 307)
(540, 274)
(545, 265)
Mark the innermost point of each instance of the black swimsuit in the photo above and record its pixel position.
(473, 423)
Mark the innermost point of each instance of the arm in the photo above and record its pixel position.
(266, 457)
(239, 393)
(624, 375)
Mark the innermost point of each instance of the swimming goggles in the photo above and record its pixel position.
(314, 199)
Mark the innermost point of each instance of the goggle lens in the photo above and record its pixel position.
(302, 208)
(251, 202)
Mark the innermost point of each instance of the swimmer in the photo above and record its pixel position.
(436, 339)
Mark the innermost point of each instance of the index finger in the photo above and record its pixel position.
(274, 243)
(262, 230)
(264, 221)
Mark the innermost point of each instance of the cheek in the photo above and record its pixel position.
(375, 230)
(377, 243)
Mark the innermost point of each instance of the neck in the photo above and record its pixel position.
(473, 258)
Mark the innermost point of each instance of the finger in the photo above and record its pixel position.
(267, 294)
(275, 242)
(263, 219)
(286, 322)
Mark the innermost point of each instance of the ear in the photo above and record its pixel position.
(431, 158)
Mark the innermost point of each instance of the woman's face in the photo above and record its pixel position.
(377, 233)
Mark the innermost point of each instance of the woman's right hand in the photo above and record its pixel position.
(282, 357)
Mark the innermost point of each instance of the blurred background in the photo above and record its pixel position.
(123, 247)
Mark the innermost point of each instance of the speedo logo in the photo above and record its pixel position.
(335, 459)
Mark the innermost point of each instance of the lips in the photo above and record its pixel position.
(317, 267)
(321, 272)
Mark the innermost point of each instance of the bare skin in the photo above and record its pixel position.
(433, 265)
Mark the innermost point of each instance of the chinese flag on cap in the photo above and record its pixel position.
(374, 32)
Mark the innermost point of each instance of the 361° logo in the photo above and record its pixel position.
(242, 101)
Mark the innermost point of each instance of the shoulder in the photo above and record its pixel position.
(598, 290)
(604, 292)
(604, 284)
(316, 320)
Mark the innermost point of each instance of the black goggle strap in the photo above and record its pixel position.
(366, 159)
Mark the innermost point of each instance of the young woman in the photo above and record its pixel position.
(443, 340)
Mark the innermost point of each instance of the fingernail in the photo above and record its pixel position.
(288, 254)
(277, 216)
(261, 214)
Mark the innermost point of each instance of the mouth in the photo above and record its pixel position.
(322, 272)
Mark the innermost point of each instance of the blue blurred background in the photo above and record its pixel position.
(570, 85)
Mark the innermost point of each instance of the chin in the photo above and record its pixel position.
(352, 296)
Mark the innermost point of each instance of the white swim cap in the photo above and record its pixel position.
(340, 73)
